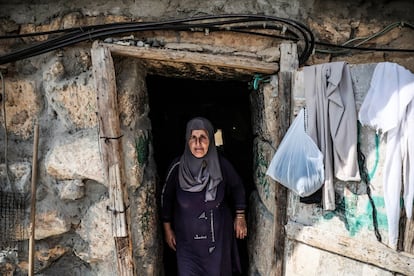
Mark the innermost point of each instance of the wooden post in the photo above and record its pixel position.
(409, 236)
(111, 152)
(288, 63)
(33, 200)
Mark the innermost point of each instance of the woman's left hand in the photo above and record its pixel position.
(240, 227)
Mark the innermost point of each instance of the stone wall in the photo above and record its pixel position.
(73, 227)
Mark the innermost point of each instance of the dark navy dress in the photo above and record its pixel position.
(206, 243)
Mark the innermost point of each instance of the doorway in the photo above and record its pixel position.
(173, 101)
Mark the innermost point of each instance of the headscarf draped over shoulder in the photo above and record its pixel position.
(195, 174)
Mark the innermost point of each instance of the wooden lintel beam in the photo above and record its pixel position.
(244, 63)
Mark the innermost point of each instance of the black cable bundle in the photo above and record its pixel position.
(234, 22)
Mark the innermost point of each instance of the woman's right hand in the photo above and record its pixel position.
(169, 235)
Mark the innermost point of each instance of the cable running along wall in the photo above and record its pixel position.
(251, 24)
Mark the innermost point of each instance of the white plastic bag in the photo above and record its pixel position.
(298, 162)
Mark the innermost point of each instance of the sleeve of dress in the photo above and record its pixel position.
(168, 194)
(235, 185)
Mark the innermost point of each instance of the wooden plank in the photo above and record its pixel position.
(117, 202)
(124, 254)
(374, 253)
(244, 63)
(111, 151)
(409, 236)
(289, 61)
(109, 132)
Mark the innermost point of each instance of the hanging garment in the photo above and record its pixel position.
(332, 123)
(389, 108)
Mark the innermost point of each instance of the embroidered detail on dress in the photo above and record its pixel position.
(197, 237)
(202, 216)
(211, 249)
(212, 226)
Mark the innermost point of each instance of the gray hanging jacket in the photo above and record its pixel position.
(332, 123)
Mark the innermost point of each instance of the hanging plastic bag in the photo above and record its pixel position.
(298, 162)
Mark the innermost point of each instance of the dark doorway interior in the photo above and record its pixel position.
(226, 104)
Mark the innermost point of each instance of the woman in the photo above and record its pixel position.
(201, 195)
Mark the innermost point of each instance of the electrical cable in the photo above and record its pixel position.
(76, 35)
(90, 34)
(358, 49)
(72, 34)
(366, 39)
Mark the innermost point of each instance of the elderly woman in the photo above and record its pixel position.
(203, 204)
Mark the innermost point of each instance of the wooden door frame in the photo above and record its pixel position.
(110, 130)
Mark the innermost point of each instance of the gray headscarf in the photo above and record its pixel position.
(195, 174)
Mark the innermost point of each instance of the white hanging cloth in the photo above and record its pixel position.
(389, 108)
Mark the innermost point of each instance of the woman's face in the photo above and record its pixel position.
(199, 142)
